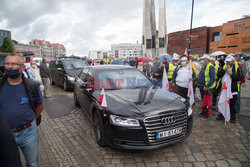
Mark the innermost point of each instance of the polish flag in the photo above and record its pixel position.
(102, 99)
(225, 97)
(165, 83)
(190, 89)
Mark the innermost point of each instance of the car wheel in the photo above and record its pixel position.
(65, 87)
(76, 100)
(98, 131)
(51, 81)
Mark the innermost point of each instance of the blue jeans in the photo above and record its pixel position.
(237, 104)
(27, 140)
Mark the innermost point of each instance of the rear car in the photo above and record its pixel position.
(138, 114)
(64, 71)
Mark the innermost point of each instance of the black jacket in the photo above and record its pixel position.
(31, 87)
(235, 77)
(44, 71)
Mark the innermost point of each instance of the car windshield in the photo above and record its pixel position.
(70, 65)
(121, 79)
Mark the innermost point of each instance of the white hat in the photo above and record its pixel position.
(184, 59)
(205, 56)
(229, 58)
(176, 56)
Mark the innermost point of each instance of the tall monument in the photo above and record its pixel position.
(148, 28)
(162, 30)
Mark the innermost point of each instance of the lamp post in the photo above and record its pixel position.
(190, 32)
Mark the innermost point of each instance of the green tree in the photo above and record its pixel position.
(6, 46)
(14, 41)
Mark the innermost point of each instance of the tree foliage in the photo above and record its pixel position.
(6, 46)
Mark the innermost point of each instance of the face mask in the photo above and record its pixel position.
(183, 63)
(33, 66)
(13, 74)
(175, 64)
(202, 62)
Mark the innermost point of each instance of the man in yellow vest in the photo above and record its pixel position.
(206, 78)
(215, 92)
(233, 69)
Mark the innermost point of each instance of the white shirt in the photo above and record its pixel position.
(183, 76)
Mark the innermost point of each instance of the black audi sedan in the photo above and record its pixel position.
(138, 115)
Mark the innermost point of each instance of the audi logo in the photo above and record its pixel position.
(168, 120)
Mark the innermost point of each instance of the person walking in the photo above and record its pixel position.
(45, 74)
(206, 80)
(181, 77)
(21, 103)
(232, 68)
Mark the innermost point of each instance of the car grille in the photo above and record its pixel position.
(153, 125)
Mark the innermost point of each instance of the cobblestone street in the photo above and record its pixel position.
(69, 141)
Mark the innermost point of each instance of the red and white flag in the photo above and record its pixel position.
(165, 83)
(102, 99)
(225, 97)
(190, 89)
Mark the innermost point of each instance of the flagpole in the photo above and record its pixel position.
(190, 32)
(226, 109)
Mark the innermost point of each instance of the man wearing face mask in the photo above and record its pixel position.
(206, 80)
(233, 69)
(176, 59)
(181, 78)
(21, 104)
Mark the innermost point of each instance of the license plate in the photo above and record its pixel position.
(167, 133)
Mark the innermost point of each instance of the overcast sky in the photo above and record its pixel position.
(83, 25)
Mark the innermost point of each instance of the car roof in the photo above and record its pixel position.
(109, 67)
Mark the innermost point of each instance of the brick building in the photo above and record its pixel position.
(19, 48)
(233, 36)
(178, 41)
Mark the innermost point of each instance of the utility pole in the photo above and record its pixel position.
(190, 33)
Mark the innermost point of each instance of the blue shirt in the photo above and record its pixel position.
(15, 106)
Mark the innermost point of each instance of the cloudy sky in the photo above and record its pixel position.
(83, 25)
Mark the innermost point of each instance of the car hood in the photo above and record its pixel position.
(74, 72)
(143, 102)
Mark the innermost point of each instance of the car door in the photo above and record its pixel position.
(85, 97)
(60, 73)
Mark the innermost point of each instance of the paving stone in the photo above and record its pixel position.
(221, 163)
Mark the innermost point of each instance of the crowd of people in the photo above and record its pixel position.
(21, 98)
(206, 74)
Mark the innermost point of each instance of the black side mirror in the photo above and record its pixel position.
(87, 85)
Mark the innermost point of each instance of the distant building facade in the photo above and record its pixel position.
(94, 54)
(48, 50)
(3, 34)
(233, 36)
(126, 50)
(19, 48)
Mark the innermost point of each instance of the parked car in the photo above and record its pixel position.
(138, 114)
(64, 71)
(2, 60)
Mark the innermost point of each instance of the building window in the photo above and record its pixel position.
(153, 41)
(216, 36)
(233, 46)
(232, 34)
(221, 47)
(148, 43)
(161, 42)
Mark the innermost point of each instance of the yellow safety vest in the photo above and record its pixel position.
(216, 69)
(236, 66)
(207, 77)
(170, 71)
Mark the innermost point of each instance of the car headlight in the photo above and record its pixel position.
(71, 78)
(190, 111)
(122, 121)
